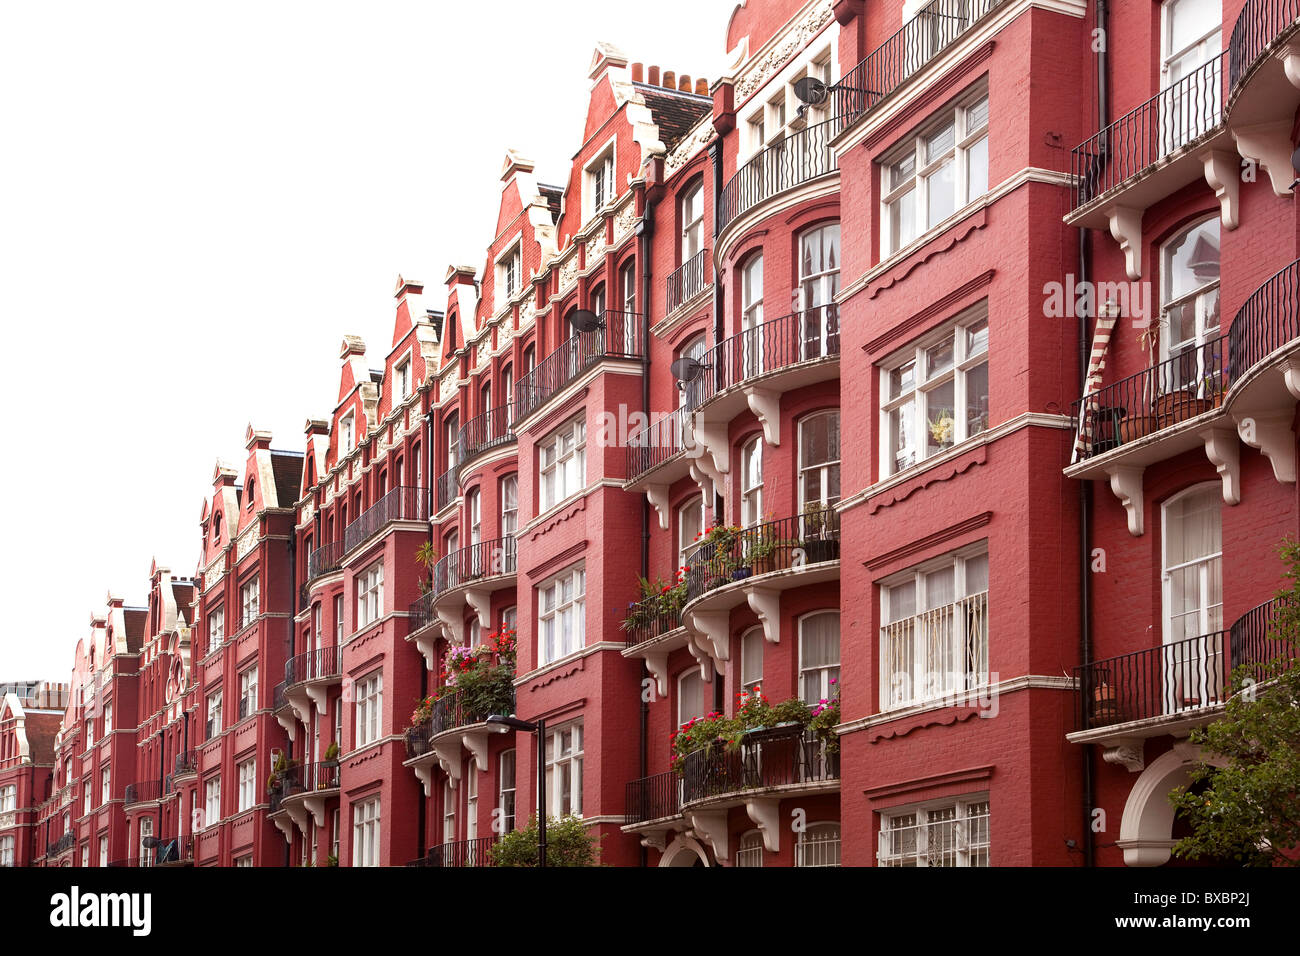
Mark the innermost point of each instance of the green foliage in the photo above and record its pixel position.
(567, 844)
(1246, 809)
(716, 729)
(658, 597)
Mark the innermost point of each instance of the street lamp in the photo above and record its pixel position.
(501, 724)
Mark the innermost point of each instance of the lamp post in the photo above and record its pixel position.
(506, 724)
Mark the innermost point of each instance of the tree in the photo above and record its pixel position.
(1246, 809)
(567, 844)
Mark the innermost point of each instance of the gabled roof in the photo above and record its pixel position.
(286, 466)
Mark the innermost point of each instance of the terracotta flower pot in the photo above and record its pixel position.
(1134, 427)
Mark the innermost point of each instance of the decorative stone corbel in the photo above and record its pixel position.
(711, 827)
(1223, 174)
(424, 773)
(766, 603)
(655, 840)
(1126, 753)
(713, 437)
(700, 651)
(1291, 375)
(706, 477)
(481, 603)
(286, 720)
(766, 406)
(657, 495)
(448, 754)
(453, 626)
(285, 826)
(1290, 57)
(766, 814)
(1271, 434)
(1126, 228)
(426, 643)
(712, 630)
(476, 742)
(316, 806)
(1269, 146)
(1126, 484)
(319, 695)
(656, 662)
(1224, 454)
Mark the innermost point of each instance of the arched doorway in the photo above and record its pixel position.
(684, 851)
(1146, 832)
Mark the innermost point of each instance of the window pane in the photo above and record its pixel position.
(977, 178)
(941, 194)
(977, 399)
(941, 430)
(939, 143)
(902, 220)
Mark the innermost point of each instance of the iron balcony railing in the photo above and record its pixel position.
(810, 538)
(648, 619)
(420, 612)
(659, 442)
(212, 727)
(773, 757)
(447, 487)
(280, 695)
(302, 778)
(325, 560)
(1182, 387)
(619, 336)
(187, 762)
(1268, 320)
(313, 665)
(766, 348)
(934, 28)
(690, 279)
(63, 843)
(143, 791)
(653, 798)
(462, 853)
(799, 158)
(485, 559)
(1259, 24)
(1177, 116)
(489, 430)
(399, 504)
(451, 712)
(1180, 677)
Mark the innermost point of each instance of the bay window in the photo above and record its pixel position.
(561, 615)
(936, 393)
(562, 460)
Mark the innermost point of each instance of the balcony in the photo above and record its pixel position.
(691, 278)
(448, 489)
(800, 158)
(1264, 84)
(1175, 138)
(301, 792)
(308, 678)
(1173, 687)
(462, 853)
(61, 845)
(618, 337)
(660, 454)
(658, 797)
(187, 762)
(467, 576)
(399, 504)
(143, 791)
(492, 429)
(325, 560)
(452, 727)
(1240, 384)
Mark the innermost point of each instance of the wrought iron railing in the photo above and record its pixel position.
(1181, 677)
(142, 791)
(319, 664)
(419, 614)
(935, 27)
(302, 778)
(774, 757)
(399, 504)
(657, 443)
(799, 158)
(489, 430)
(690, 279)
(451, 712)
(485, 559)
(648, 619)
(1268, 320)
(1259, 24)
(325, 560)
(769, 347)
(187, 762)
(810, 538)
(448, 490)
(936, 653)
(462, 853)
(1177, 116)
(1182, 387)
(619, 336)
(653, 798)
(280, 695)
(62, 844)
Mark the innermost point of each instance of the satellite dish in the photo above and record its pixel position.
(150, 842)
(811, 90)
(584, 320)
(687, 369)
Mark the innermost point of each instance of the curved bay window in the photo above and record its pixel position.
(819, 281)
(819, 462)
(751, 482)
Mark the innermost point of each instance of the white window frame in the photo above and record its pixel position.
(599, 180)
(968, 355)
(749, 851)
(968, 604)
(562, 471)
(338, 619)
(968, 139)
(7, 845)
(8, 798)
(1192, 667)
(688, 532)
(402, 372)
(214, 715)
(248, 689)
(557, 766)
(751, 314)
(691, 205)
(1205, 303)
(510, 275)
(691, 676)
(250, 597)
(216, 627)
(247, 770)
(906, 833)
(507, 819)
(824, 469)
(818, 845)
(751, 482)
(449, 832)
(366, 832)
(105, 785)
(370, 595)
(368, 694)
(212, 801)
(551, 620)
(347, 433)
(820, 674)
(509, 505)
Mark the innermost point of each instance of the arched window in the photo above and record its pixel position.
(751, 314)
(690, 696)
(751, 482)
(1189, 311)
(819, 656)
(751, 659)
(692, 220)
(627, 285)
(819, 281)
(249, 490)
(1192, 579)
(750, 851)
(694, 348)
(690, 525)
(509, 505)
(819, 460)
(818, 845)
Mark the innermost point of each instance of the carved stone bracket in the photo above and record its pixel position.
(657, 495)
(766, 603)
(766, 406)
(656, 662)
(1269, 145)
(1224, 453)
(481, 603)
(713, 436)
(766, 814)
(1126, 484)
(712, 635)
(1270, 433)
(1126, 753)
(1126, 228)
(711, 827)
(1223, 174)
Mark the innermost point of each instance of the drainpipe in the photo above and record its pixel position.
(1085, 487)
(719, 323)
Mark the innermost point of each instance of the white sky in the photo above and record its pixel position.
(198, 201)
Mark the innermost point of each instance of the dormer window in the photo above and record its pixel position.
(600, 181)
(348, 436)
(509, 276)
(403, 373)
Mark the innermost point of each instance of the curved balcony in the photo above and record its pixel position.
(300, 793)
(1173, 687)
(187, 762)
(470, 576)
(143, 791)
(1244, 384)
(61, 845)
(398, 504)
(689, 281)
(452, 727)
(480, 435)
(618, 337)
(308, 678)
(653, 799)
(798, 159)
(448, 488)
(661, 453)
(461, 853)
(652, 635)
(1264, 84)
(324, 560)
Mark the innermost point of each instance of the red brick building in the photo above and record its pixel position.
(954, 405)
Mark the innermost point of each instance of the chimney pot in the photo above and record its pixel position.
(652, 76)
(670, 80)
(638, 72)
(684, 83)
(702, 86)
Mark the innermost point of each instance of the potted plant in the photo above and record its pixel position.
(426, 555)
(821, 543)
(332, 754)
